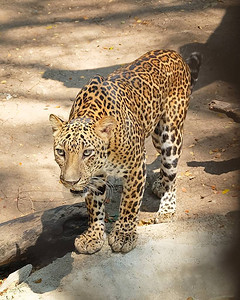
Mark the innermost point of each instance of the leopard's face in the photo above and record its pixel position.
(80, 149)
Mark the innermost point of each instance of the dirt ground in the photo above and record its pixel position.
(50, 49)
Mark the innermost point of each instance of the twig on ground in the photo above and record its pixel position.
(18, 198)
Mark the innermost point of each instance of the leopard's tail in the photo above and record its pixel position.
(194, 62)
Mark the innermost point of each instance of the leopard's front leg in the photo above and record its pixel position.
(123, 236)
(93, 238)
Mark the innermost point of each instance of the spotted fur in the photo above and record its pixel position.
(108, 124)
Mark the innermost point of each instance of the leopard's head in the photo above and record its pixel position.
(81, 148)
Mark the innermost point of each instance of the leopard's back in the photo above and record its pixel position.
(152, 84)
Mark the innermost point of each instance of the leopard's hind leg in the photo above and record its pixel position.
(167, 139)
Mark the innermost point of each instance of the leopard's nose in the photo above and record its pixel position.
(70, 182)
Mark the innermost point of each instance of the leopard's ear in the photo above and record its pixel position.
(56, 123)
(104, 127)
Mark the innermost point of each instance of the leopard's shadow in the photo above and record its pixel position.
(77, 78)
(150, 202)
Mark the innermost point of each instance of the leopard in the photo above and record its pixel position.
(105, 135)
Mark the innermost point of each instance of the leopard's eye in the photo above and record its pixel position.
(60, 152)
(87, 152)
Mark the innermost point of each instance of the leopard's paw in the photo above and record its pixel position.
(121, 240)
(157, 189)
(164, 218)
(89, 243)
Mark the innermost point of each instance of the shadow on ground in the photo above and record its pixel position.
(41, 238)
(221, 56)
(148, 9)
(217, 167)
(76, 79)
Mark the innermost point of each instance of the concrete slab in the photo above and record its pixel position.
(173, 261)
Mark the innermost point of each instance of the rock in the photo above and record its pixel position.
(16, 277)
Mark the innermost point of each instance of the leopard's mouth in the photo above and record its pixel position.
(80, 187)
(75, 187)
(79, 192)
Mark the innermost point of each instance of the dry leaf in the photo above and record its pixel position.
(49, 27)
(38, 280)
(225, 191)
(184, 190)
(3, 81)
(146, 222)
(192, 145)
(214, 150)
(189, 175)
